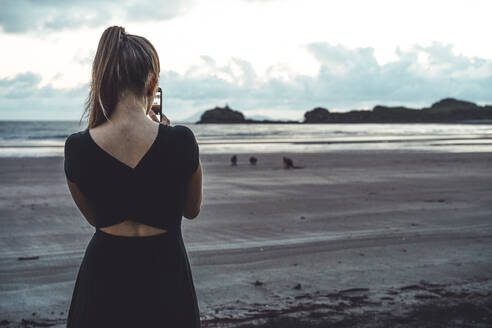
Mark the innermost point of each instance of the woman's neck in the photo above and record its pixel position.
(130, 110)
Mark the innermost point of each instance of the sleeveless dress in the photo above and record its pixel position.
(134, 281)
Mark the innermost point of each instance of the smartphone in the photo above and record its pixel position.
(157, 104)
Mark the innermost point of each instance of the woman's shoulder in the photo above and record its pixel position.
(181, 129)
(182, 132)
(78, 134)
(75, 139)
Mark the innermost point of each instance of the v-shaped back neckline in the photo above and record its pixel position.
(121, 162)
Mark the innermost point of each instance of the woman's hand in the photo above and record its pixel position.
(164, 120)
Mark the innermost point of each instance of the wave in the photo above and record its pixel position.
(226, 134)
(49, 136)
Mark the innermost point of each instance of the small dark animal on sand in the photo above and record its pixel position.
(234, 160)
(289, 164)
(253, 160)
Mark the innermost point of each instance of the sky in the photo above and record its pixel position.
(275, 58)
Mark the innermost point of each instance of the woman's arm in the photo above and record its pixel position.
(194, 194)
(82, 202)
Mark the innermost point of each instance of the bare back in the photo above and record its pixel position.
(128, 146)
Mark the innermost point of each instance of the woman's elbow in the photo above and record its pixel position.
(192, 214)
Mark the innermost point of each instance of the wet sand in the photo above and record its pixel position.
(354, 238)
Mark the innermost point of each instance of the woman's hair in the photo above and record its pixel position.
(122, 62)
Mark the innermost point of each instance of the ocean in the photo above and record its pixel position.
(47, 138)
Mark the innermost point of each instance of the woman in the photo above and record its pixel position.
(133, 177)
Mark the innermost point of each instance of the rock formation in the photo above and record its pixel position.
(228, 115)
(448, 110)
(317, 115)
(222, 115)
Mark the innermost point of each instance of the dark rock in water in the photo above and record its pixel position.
(395, 114)
(445, 110)
(317, 115)
(253, 160)
(453, 110)
(396, 109)
(451, 104)
(222, 115)
(228, 115)
(234, 160)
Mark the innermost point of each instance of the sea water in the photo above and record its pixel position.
(47, 138)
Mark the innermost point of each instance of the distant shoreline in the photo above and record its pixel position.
(275, 122)
(331, 123)
(448, 110)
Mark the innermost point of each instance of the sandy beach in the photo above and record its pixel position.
(355, 238)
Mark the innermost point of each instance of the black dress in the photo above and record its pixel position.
(134, 281)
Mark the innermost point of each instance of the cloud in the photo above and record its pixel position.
(22, 97)
(19, 16)
(354, 75)
(347, 79)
